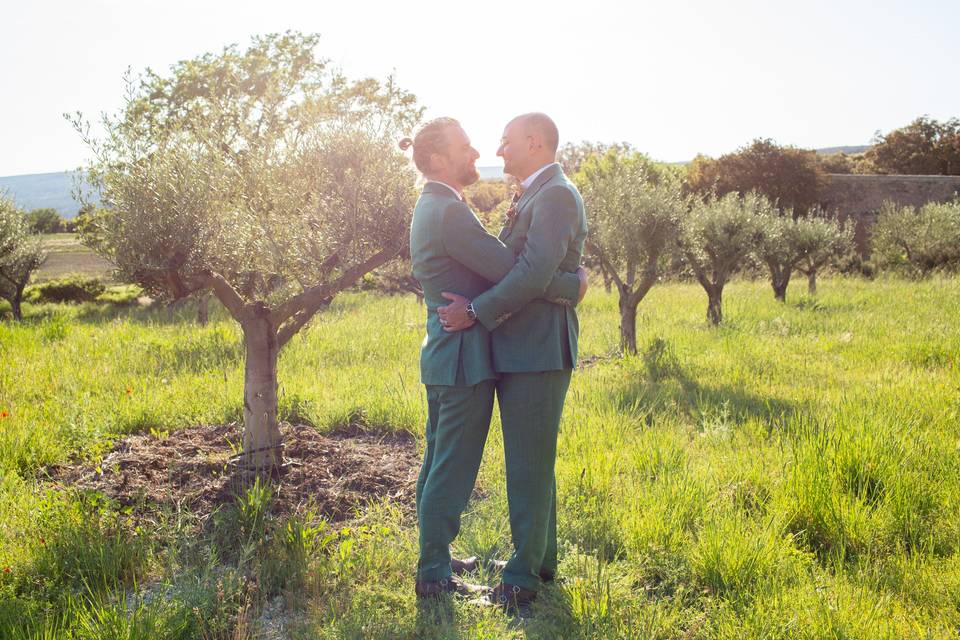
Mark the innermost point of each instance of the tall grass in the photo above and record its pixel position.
(794, 473)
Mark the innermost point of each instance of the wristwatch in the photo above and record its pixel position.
(470, 312)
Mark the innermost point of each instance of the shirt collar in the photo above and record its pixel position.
(455, 192)
(533, 176)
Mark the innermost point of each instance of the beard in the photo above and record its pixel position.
(467, 174)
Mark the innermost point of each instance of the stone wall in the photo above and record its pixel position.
(861, 196)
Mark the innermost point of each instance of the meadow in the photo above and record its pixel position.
(793, 473)
(67, 256)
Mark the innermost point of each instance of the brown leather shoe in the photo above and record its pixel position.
(511, 598)
(451, 585)
(471, 564)
(465, 566)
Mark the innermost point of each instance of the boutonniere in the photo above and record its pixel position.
(512, 210)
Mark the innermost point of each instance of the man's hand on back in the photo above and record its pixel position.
(453, 317)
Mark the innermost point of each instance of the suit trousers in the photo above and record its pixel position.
(530, 409)
(458, 419)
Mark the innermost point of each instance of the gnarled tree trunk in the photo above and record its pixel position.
(812, 282)
(265, 332)
(715, 304)
(780, 287)
(261, 433)
(779, 279)
(628, 325)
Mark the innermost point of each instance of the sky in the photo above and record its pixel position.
(674, 79)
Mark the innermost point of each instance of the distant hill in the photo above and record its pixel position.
(490, 173)
(849, 150)
(43, 190)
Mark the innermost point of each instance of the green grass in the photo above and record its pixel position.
(794, 473)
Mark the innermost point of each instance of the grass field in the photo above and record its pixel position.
(67, 256)
(794, 473)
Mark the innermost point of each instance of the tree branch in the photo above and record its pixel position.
(297, 322)
(226, 294)
(647, 280)
(598, 251)
(314, 297)
(698, 271)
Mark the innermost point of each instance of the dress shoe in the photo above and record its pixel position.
(511, 598)
(471, 564)
(451, 585)
(465, 566)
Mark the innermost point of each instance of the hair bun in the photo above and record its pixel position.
(406, 143)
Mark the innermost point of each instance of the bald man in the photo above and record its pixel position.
(534, 346)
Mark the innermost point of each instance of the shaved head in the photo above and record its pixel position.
(529, 142)
(543, 126)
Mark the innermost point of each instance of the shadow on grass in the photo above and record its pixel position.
(153, 314)
(94, 313)
(702, 402)
(667, 387)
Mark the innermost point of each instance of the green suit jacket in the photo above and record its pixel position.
(451, 251)
(548, 233)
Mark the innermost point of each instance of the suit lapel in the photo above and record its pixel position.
(548, 174)
(542, 179)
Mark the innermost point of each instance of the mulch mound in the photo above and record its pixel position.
(333, 473)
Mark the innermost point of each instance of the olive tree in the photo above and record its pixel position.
(264, 177)
(634, 215)
(716, 236)
(820, 241)
(777, 249)
(778, 246)
(921, 240)
(20, 255)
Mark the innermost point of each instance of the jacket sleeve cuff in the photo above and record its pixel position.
(487, 313)
(563, 289)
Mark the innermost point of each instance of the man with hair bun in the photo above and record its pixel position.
(534, 347)
(451, 251)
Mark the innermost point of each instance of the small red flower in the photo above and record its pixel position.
(4, 414)
(43, 541)
(512, 211)
(129, 391)
(7, 569)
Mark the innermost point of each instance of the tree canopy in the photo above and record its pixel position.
(45, 221)
(920, 240)
(923, 147)
(792, 178)
(262, 174)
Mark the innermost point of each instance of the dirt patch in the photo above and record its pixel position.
(334, 473)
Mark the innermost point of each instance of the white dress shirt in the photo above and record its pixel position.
(533, 176)
(455, 192)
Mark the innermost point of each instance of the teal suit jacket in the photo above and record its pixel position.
(548, 233)
(451, 251)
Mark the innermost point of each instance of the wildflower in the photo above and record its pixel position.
(4, 414)
(129, 391)
(7, 569)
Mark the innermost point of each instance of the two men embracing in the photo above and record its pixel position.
(500, 320)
